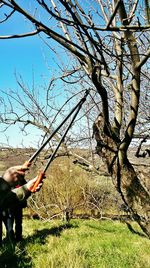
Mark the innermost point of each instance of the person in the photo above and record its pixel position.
(14, 215)
(9, 197)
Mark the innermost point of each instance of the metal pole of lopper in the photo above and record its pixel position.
(28, 163)
(41, 174)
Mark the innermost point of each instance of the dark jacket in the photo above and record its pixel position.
(9, 198)
(21, 182)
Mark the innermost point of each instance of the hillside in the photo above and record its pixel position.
(11, 156)
(70, 186)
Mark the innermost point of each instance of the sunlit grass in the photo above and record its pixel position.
(81, 244)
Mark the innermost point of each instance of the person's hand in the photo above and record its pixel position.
(35, 184)
(20, 170)
(26, 164)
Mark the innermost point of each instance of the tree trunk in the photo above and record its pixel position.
(124, 177)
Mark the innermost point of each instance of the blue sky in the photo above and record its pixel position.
(24, 56)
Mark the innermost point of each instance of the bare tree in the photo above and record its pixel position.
(110, 42)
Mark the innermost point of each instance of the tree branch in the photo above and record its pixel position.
(143, 61)
(19, 35)
(113, 14)
(7, 16)
(135, 86)
(57, 37)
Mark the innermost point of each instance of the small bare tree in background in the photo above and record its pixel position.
(110, 43)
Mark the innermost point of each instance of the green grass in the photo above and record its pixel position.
(81, 244)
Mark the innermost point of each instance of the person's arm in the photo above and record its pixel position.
(21, 192)
(11, 197)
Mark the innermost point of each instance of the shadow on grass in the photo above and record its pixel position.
(115, 230)
(40, 235)
(101, 228)
(16, 256)
(131, 229)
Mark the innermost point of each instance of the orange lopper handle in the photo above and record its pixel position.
(39, 179)
(27, 164)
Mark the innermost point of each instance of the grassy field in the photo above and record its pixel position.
(80, 244)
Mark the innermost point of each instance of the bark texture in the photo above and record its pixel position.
(125, 179)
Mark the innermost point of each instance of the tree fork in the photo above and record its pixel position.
(124, 177)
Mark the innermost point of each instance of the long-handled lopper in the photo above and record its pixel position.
(28, 163)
